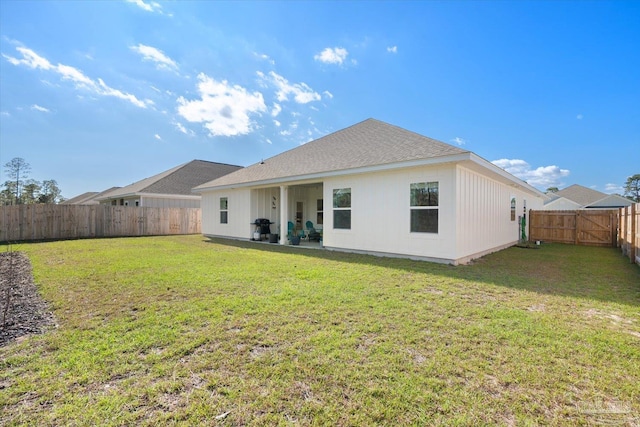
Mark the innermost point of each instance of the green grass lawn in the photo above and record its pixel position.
(186, 331)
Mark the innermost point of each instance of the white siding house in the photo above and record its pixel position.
(379, 189)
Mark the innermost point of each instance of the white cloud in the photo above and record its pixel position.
(223, 108)
(269, 141)
(336, 55)
(158, 137)
(5, 113)
(66, 72)
(30, 59)
(542, 177)
(458, 140)
(301, 92)
(328, 94)
(181, 127)
(264, 57)
(614, 189)
(149, 53)
(108, 91)
(277, 123)
(277, 108)
(36, 107)
(392, 49)
(579, 116)
(149, 7)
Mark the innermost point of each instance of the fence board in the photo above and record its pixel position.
(52, 222)
(629, 232)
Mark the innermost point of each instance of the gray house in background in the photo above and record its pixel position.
(169, 189)
(578, 197)
(88, 198)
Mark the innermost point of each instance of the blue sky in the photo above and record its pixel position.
(98, 94)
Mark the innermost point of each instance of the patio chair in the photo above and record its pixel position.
(312, 233)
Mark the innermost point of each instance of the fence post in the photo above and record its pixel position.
(613, 220)
(619, 230)
(632, 240)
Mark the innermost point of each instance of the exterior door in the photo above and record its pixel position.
(299, 214)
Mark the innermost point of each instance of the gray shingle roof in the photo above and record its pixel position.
(178, 180)
(581, 195)
(368, 143)
(88, 198)
(81, 199)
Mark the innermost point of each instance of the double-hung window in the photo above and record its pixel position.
(342, 208)
(424, 207)
(224, 210)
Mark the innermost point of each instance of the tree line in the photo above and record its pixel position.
(21, 190)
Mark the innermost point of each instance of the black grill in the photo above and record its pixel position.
(263, 226)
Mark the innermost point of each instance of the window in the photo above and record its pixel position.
(513, 208)
(342, 208)
(319, 211)
(424, 207)
(224, 210)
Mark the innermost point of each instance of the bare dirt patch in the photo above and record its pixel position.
(22, 309)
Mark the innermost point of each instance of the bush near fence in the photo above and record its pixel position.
(53, 222)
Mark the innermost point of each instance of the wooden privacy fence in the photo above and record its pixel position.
(51, 222)
(579, 227)
(629, 232)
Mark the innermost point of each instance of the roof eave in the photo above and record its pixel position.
(139, 194)
(354, 171)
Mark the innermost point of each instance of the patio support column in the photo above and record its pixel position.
(284, 213)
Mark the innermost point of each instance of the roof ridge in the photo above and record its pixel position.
(211, 161)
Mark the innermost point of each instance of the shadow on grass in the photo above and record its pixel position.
(554, 269)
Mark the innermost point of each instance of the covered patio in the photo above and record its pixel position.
(299, 207)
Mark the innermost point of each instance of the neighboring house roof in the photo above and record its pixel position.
(80, 199)
(176, 181)
(585, 197)
(367, 144)
(611, 201)
(561, 203)
(581, 195)
(88, 198)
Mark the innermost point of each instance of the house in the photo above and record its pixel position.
(577, 197)
(88, 198)
(379, 189)
(169, 189)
